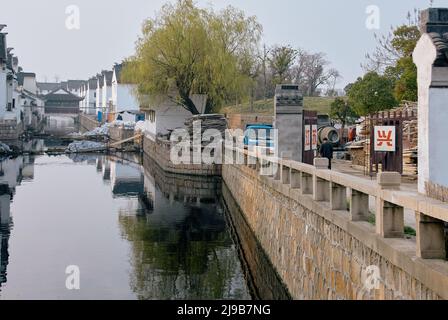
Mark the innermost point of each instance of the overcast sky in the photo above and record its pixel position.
(108, 30)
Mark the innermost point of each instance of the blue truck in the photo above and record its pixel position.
(259, 135)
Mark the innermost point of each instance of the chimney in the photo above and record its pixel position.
(434, 20)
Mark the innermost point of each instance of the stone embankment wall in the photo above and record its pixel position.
(88, 123)
(188, 188)
(160, 151)
(321, 254)
(10, 130)
(119, 133)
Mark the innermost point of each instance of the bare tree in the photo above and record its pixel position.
(281, 61)
(386, 54)
(316, 73)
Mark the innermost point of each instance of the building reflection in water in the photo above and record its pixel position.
(181, 243)
(181, 247)
(12, 173)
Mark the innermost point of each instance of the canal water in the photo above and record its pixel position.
(130, 229)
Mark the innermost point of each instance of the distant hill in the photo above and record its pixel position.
(319, 104)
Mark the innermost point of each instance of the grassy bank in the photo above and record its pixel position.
(319, 104)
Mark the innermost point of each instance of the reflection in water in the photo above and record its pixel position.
(12, 173)
(60, 125)
(5, 226)
(135, 231)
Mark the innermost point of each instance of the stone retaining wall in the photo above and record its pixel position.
(321, 254)
(118, 133)
(160, 151)
(10, 129)
(88, 123)
(183, 187)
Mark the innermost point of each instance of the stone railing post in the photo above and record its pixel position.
(389, 217)
(321, 187)
(359, 206)
(338, 197)
(286, 174)
(430, 237)
(294, 179)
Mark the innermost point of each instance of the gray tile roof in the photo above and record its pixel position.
(48, 86)
(67, 96)
(75, 84)
(22, 75)
(434, 22)
(109, 75)
(118, 68)
(3, 52)
(93, 83)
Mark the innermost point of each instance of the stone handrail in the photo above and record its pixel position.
(324, 185)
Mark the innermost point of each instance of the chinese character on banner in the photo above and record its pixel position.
(314, 137)
(385, 138)
(307, 138)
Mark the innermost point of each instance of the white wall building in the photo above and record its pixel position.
(167, 115)
(123, 94)
(106, 91)
(98, 99)
(91, 96)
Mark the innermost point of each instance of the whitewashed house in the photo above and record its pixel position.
(166, 115)
(98, 98)
(106, 91)
(74, 87)
(3, 72)
(33, 107)
(123, 94)
(91, 96)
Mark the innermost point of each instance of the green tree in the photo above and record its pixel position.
(371, 94)
(392, 57)
(281, 61)
(187, 50)
(342, 111)
(404, 72)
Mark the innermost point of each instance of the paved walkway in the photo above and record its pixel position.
(358, 171)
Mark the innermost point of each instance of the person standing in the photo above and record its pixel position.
(326, 151)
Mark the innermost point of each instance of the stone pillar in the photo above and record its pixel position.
(338, 197)
(430, 237)
(359, 206)
(321, 187)
(289, 122)
(431, 59)
(389, 217)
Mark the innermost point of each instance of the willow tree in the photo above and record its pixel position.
(187, 50)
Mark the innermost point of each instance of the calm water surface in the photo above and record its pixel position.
(134, 231)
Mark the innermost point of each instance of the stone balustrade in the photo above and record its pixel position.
(317, 228)
(324, 185)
